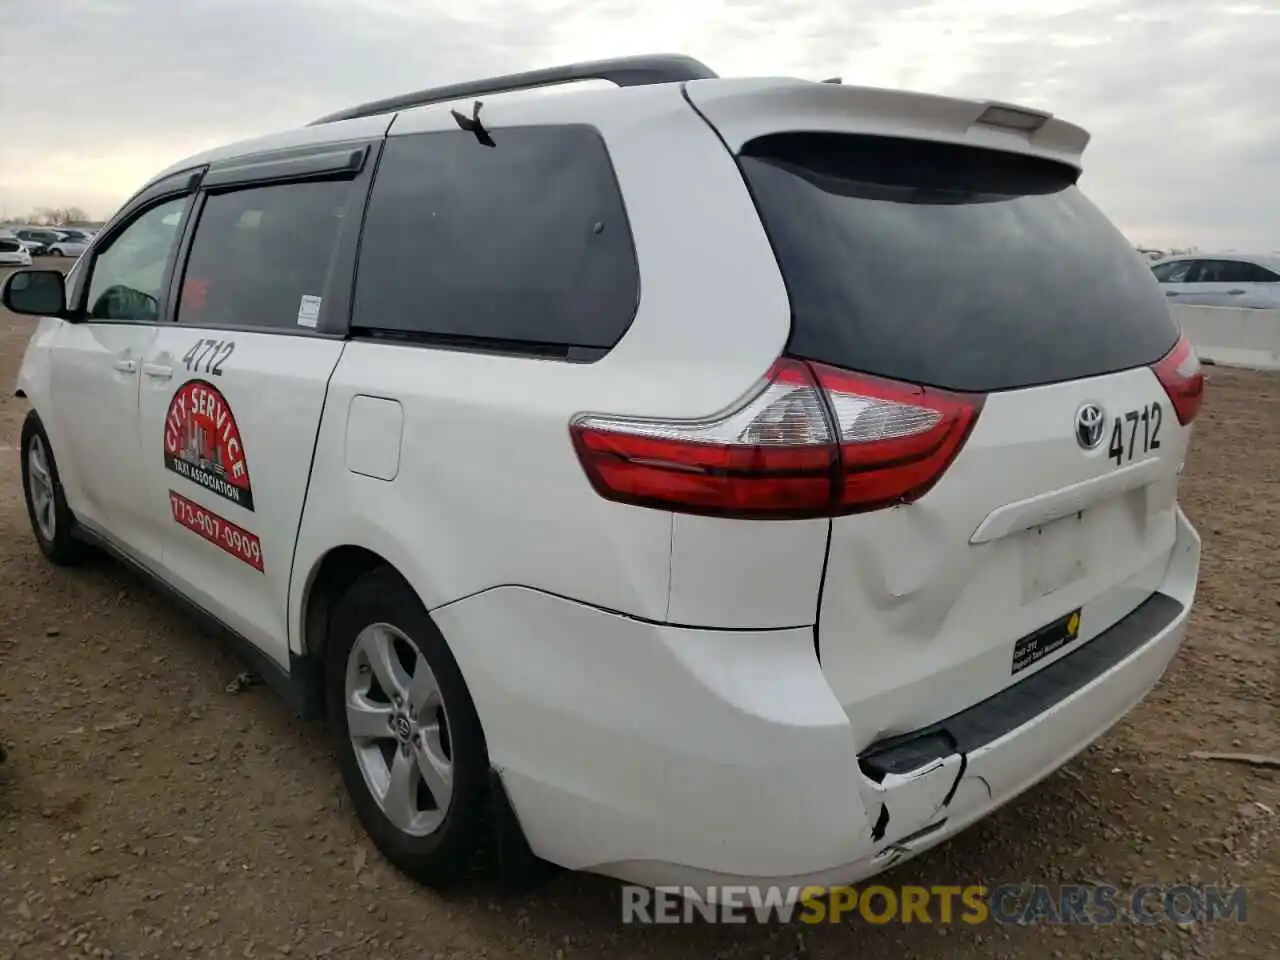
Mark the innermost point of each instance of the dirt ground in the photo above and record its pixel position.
(145, 811)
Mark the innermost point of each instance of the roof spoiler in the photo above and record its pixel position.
(744, 109)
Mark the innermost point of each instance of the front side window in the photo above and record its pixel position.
(261, 256)
(1175, 272)
(127, 276)
(1195, 272)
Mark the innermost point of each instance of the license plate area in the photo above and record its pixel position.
(1046, 641)
(1053, 557)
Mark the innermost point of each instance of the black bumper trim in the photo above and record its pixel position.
(1013, 706)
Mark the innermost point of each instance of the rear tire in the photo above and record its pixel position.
(51, 519)
(410, 746)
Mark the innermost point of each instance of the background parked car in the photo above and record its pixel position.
(13, 253)
(68, 246)
(75, 233)
(1221, 280)
(36, 239)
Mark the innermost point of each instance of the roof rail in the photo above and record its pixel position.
(635, 71)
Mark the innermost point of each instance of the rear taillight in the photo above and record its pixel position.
(1180, 374)
(810, 441)
(896, 439)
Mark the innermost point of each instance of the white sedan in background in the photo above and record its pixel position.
(13, 252)
(1221, 280)
(69, 245)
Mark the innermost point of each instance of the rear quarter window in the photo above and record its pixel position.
(523, 244)
(950, 266)
(1259, 274)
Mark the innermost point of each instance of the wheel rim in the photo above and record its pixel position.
(399, 729)
(40, 486)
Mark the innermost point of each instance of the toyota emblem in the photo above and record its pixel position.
(1089, 425)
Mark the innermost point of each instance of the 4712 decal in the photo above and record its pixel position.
(202, 442)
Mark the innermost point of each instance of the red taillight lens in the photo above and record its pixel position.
(811, 441)
(896, 439)
(1180, 374)
(770, 457)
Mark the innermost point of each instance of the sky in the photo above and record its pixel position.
(98, 95)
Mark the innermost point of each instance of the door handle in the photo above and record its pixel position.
(1171, 293)
(157, 371)
(1235, 293)
(126, 366)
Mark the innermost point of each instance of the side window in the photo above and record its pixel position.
(126, 276)
(1198, 271)
(261, 256)
(1234, 271)
(524, 241)
(1175, 272)
(1257, 274)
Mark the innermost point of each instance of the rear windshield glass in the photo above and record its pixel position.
(950, 266)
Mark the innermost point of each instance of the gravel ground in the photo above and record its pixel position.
(145, 811)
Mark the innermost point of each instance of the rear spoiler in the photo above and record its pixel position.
(742, 110)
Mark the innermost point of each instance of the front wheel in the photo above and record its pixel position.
(410, 745)
(51, 518)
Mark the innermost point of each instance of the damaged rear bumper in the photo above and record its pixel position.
(926, 804)
(931, 783)
(668, 756)
(982, 757)
(922, 788)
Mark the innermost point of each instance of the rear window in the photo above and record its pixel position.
(950, 266)
(522, 244)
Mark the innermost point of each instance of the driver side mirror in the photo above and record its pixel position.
(36, 293)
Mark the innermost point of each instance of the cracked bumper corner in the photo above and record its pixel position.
(925, 786)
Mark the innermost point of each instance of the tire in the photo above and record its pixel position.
(380, 616)
(52, 522)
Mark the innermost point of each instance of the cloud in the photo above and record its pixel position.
(106, 92)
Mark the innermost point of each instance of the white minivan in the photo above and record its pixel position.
(693, 480)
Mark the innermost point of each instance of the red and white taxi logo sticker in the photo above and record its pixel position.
(202, 443)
